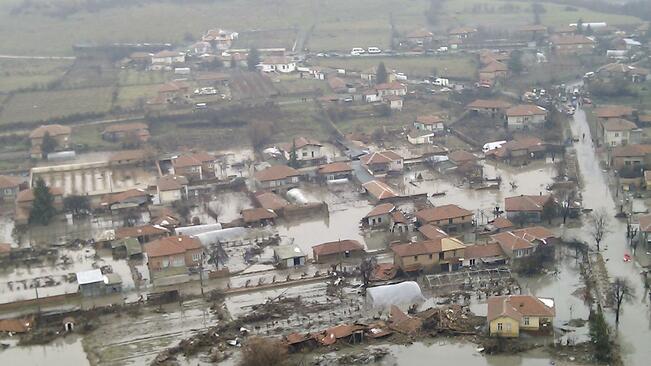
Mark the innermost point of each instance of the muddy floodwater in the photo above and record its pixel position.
(61, 352)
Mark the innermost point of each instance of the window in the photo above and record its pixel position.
(347, 254)
(441, 256)
(450, 221)
(304, 153)
(415, 258)
(500, 327)
(196, 257)
(616, 134)
(525, 320)
(430, 256)
(472, 262)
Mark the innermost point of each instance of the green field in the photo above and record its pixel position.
(44, 105)
(20, 74)
(451, 66)
(504, 14)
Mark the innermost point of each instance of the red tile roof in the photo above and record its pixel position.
(502, 223)
(483, 251)
(461, 157)
(337, 167)
(618, 124)
(529, 203)
(112, 198)
(251, 215)
(381, 157)
(443, 212)
(509, 241)
(494, 66)
(432, 232)
(631, 150)
(517, 306)
(271, 201)
(28, 194)
(613, 111)
(429, 119)
(137, 231)
(382, 209)
(8, 181)
(172, 245)
(427, 247)
(379, 190)
(276, 172)
(526, 110)
(172, 182)
(194, 159)
(336, 247)
(488, 104)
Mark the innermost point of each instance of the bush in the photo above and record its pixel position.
(263, 352)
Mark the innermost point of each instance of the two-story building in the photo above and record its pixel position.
(439, 255)
(379, 216)
(308, 151)
(525, 115)
(448, 217)
(631, 155)
(10, 186)
(493, 108)
(195, 166)
(528, 208)
(382, 162)
(575, 44)
(618, 131)
(523, 242)
(164, 60)
(137, 131)
(507, 315)
(338, 251)
(391, 89)
(60, 134)
(492, 71)
(174, 251)
(430, 122)
(171, 188)
(334, 172)
(277, 176)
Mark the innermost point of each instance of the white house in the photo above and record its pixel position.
(171, 188)
(393, 88)
(420, 137)
(525, 115)
(307, 150)
(167, 58)
(282, 64)
(617, 131)
(289, 256)
(429, 123)
(394, 102)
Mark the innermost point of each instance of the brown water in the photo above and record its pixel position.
(62, 352)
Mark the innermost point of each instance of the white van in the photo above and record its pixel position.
(492, 146)
(374, 50)
(357, 51)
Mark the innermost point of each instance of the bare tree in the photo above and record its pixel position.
(367, 267)
(567, 198)
(599, 221)
(621, 291)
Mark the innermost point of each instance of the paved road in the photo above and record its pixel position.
(19, 57)
(635, 323)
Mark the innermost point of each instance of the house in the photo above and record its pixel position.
(10, 186)
(173, 252)
(431, 232)
(482, 255)
(140, 58)
(631, 155)
(171, 188)
(490, 107)
(336, 171)
(195, 166)
(219, 39)
(379, 216)
(494, 70)
(448, 217)
(271, 201)
(161, 59)
(615, 111)
(308, 151)
(93, 283)
(394, 88)
(525, 115)
(462, 32)
(288, 256)
(379, 190)
(500, 224)
(618, 131)
(507, 315)
(532, 31)
(394, 102)
(419, 37)
(634, 74)
(258, 216)
(143, 233)
(528, 208)
(645, 230)
(200, 48)
(60, 134)
(430, 122)
(137, 131)
(383, 162)
(281, 64)
(523, 242)
(173, 92)
(519, 150)
(277, 176)
(575, 44)
(399, 223)
(439, 255)
(131, 247)
(337, 251)
(420, 137)
(462, 157)
(127, 199)
(130, 157)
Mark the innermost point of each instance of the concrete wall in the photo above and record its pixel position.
(506, 323)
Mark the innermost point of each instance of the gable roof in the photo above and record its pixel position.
(304, 141)
(382, 209)
(483, 251)
(613, 111)
(125, 127)
(172, 182)
(28, 194)
(495, 66)
(381, 157)
(137, 231)
(430, 119)
(443, 212)
(193, 159)
(428, 247)
(112, 198)
(379, 190)
(571, 39)
(8, 181)
(645, 223)
(432, 232)
(517, 306)
(631, 150)
(530, 203)
(526, 110)
(53, 130)
(276, 172)
(257, 214)
(130, 155)
(502, 223)
(337, 167)
(271, 201)
(461, 156)
(509, 241)
(335, 247)
(171, 246)
(618, 124)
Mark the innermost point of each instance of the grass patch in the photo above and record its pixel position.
(298, 86)
(91, 136)
(133, 96)
(21, 74)
(46, 105)
(507, 14)
(142, 77)
(458, 66)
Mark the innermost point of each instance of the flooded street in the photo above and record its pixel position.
(61, 352)
(635, 322)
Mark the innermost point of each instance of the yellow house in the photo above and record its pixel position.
(437, 255)
(507, 315)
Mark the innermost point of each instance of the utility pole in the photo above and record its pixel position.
(201, 274)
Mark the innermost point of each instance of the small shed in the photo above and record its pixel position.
(91, 283)
(289, 256)
(131, 245)
(112, 283)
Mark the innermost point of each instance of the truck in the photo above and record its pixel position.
(492, 146)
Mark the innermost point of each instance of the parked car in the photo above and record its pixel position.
(374, 50)
(357, 51)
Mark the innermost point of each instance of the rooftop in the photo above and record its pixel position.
(284, 252)
(618, 124)
(276, 172)
(335, 247)
(427, 247)
(382, 209)
(526, 202)
(431, 232)
(379, 190)
(171, 246)
(526, 110)
(517, 306)
(489, 104)
(52, 130)
(613, 111)
(443, 212)
(337, 167)
(251, 215)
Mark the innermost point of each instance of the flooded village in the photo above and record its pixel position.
(451, 181)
